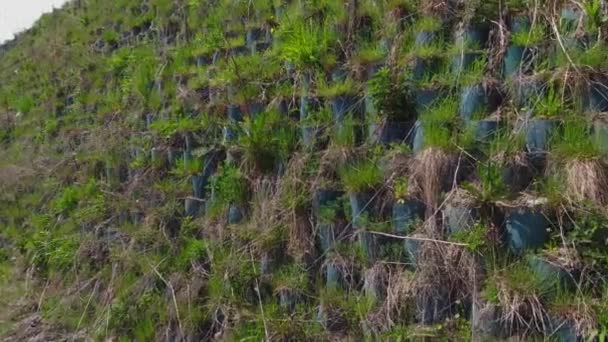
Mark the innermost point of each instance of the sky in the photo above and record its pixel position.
(18, 15)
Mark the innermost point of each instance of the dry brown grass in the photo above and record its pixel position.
(586, 180)
(434, 171)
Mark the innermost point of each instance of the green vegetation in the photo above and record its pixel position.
(156, 181)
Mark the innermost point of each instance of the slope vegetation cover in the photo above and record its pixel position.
(306, 170)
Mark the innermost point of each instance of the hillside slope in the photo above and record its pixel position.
(306, 170)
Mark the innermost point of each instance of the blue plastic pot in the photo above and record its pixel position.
(253, 35)
(412, 250)
(515, 58)
(342, 105)
(432, 309)
(425, 38)
(239, 51)
(539, 133)
(327, 236)
(333, 276)
(426, 97)
(596, 97)
(324, 197)
(476, 34)
(288, 300)
(261, 47)
(390, 132)
(204, 60)
(373, 69)
(418, 140)
(458, 218)
(553, 278)
(475, 99)
(406, 214)
(485, 130)
(234, 113)
(563, 330)
(360, 203)
(368, 244)
(256, 108)
(526, 230)
(463, 61)
(600, 134)
(486, 321)
(307, 105)
(520, 23)
(425, 67)
(174, 155)
(200, 182)
(310, 136)
(235, 214)
(517, 177)
(526, 91)
(339, 73)
(192, 207)
(569, 18)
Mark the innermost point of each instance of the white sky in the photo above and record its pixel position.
(18, 15)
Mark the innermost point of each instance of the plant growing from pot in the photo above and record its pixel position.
(388, 107)
(519, 297)
(407, 210)
(523, 49)
(344, 101)
(266, 141)
(528, 224)
(576, 154)
(290, 283)
(360, 179)
(478, 95)
(230, 187)
(315, 128)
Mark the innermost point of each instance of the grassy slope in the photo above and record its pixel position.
(92, 199)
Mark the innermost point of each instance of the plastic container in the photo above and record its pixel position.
(516, 60)
(323, 197)
(390, 132)
(431, 309)
(485, 130)
(525, 91)
(474, 35)
(333, 276)
(360, 203)
(405, 215)
(192, 207)
(425, 38)
(418, 140)
(368, 243)
(520, 23)
(553, 277)
(539, 133)
(288, 299)
(423, 67)
(327, 235)
(526, 230)
(256, 108)
(486, 321)
(412, 249)
(236, 214)
(426, 97)
(463, 61)
(474, 99)
(458, 218)
(239, 51)
(600, 135)
(261, 47)
(342, 105)
(596, 97)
